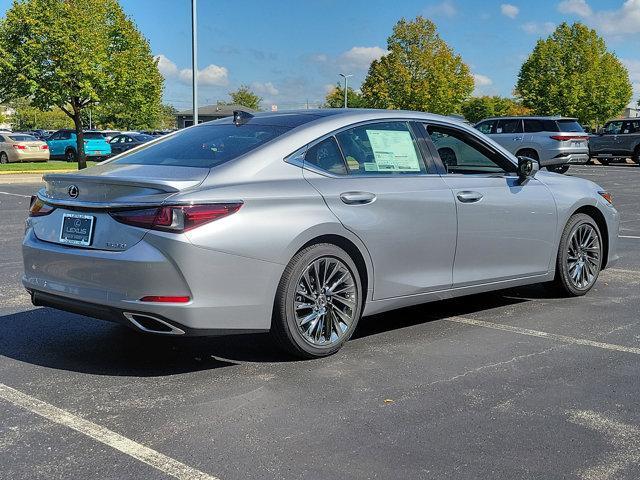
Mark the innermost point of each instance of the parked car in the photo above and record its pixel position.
(122, 143)
(299, 223)
(63, 143)
(618, 140)
(556, 142)
(109, 134)
(20, 147)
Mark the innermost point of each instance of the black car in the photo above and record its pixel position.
(126, 141)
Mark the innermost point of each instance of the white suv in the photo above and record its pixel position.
(555, 142)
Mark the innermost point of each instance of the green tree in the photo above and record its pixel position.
(28, 117)
(167, 117)
(244, 96)
(75, 55)
(572, 73)
(420, 72)
(477, 108)
(335, 98)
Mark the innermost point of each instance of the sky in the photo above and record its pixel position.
(291, 52)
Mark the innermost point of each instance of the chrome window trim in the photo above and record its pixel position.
(293, 158)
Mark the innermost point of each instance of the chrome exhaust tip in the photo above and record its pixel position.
(150, 324)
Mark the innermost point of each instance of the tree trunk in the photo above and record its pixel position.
(77, 121)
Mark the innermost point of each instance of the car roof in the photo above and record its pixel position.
(529, 117)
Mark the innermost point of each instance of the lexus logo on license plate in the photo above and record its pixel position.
(73, 191)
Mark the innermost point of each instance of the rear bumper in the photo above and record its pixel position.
(228, 293)
(563, 159)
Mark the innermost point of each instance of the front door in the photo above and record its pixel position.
(506, 229)
(374, 179)
(509, 133)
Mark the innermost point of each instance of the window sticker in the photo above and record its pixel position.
(393, 151)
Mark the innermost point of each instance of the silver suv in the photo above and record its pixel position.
(554, 141)
(619, 139)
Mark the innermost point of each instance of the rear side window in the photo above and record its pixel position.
(486, 127)
(533, 126)
(509, 125)
(326, 156)
(570, 126)
(204, 146)
(631, 127)
(381, 148)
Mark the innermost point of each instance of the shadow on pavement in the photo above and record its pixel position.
(60, 340)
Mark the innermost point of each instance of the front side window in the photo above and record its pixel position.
(383, 148)
(509, 125)
(205, 146)
(613, 128)
(326, 156)
(462, 153)
(486, 127)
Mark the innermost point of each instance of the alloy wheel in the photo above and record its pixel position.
(583, 256)
(325, 301)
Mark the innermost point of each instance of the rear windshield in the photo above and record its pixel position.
(23, 138)
(204, 146)
(570, 126)
(93, 135)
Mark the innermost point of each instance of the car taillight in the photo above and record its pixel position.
(176, 218)
(19, 147)
(38, 208)
(44, 147)
(565, 138)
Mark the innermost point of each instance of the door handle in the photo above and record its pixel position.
(469, 197)
(357, 198)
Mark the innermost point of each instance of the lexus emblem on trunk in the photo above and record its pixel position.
(73, 191)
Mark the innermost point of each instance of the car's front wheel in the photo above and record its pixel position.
(70, 155)
(318, 302)
(579, 256)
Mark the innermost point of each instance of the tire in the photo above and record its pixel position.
(579, 257)
(70, 155)
(558, 168)
(4, 159)
(305, 322)
(528, 152)
(636, 155)
(604, 161)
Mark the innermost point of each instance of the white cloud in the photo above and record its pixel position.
(535, 28)
(445, 9)
(211, 75)
(482, 80)
(265, 88)
(624, 20)
(509, 10)
(167, 67)
(633, 66)
(361, 57)
(576, 7)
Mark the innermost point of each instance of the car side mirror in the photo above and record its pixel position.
(527, 168)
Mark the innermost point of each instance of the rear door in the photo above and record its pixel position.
(374, 178)
(509, 133)
(506, 229)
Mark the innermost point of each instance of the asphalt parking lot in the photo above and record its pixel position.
(506, 385)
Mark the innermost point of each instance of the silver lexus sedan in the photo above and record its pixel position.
(300, 223)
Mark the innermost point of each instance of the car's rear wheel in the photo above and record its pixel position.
(4, 158)
(70, 155)
(636, 155)
(318, 302)
(579, 256)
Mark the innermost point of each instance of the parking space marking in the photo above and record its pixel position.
(551, 336)
(16, 194)
(108, 437)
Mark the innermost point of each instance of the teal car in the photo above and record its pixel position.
(63, 144)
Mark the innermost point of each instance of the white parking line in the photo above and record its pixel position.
(16, 194)
(551, 336)
(104, 435)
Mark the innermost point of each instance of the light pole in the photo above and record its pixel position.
(346, 87)
(194, 58)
